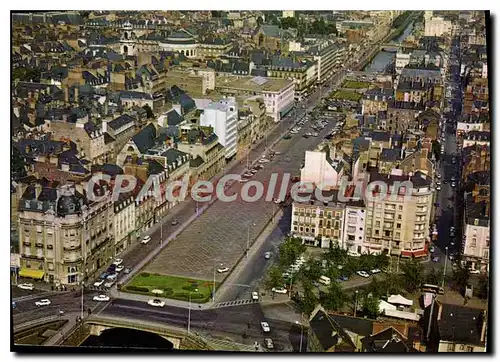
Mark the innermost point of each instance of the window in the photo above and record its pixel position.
(473, 243)
(376, 232)
(487, 242)
(400, 208)
(377, 223)
(398, 226)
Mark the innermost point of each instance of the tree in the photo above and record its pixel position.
(382, 260)
(149, 111)
(393, 283)
(288, 23)
(308, 300)
(483, 286)
(260, 21)
(290, 251)
(370, 306)
(377, 288)
(312, 270)
(274, 278)
(460, 277)
(413, 274)
(434, 277)
(335, 298)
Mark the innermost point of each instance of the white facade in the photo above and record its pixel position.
(277, 102)
(223, 117)
(464, 127)
(288, 13)
(354, 230)
(318, 170)
(402, 60)
(437, 26)
(124, 222)
(477, 245)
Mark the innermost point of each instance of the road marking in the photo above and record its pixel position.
(235, 303)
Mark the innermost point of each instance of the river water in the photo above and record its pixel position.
(383, 59)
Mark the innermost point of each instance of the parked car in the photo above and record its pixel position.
(127, 270)
(243, 180)
(432, 249)
(375, 271)
(146, 239)
(118, 262)
(255, 296)
(99, 283)
(268, 255)
(110, 283)
(435, 259)
(474, 271)
(119, 268)
(453, 184)
(265, 327)
(42, 303)
(175, 222)
(343, 278)
(100, 298)
(363, 274)
(269, 343)
(223, 270)
(156, 303)
(279, 290)
(112, 277)
(26, 286)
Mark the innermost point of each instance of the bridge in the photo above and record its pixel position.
(390, 47)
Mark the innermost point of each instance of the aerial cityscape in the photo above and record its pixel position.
(250, 181)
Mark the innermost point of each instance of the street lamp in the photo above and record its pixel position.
(444, 270)
(213, 291)
(189, 310)
(355, 303)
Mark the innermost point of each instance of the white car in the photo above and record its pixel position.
(265, 327)
(248, 174)
(101, 298)
(474, 271)
(375, 271)
(263, 160)
(438, 188)
(119, 268)
(363, 274)
(279, 290)
(243, 180)
(26, 286)
(146, 239)
(269, 343)
(118, 262)
(110, 283)
(99, 283)
(267, 255)
(453, 184)
(277, 201)
(156, 303)
(255, 296)
(42, 302)
(223, 270)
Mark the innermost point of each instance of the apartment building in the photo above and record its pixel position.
(437, 26)
(64, 238)
(197, 82)
(222, 116)
(124, 222)
(399, 223)
(278, 94)
(320, 169)
(319, 223)
(476, 229)
(353, 238)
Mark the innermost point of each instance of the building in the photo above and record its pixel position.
(376, 100)
(476, 229)
(353, 238)
(304, 72)
(64, 238)
(197, 82)
(288, 14)
(454, 328)
(437, 26)
(278, 94)
(320, 169)
(222, 116)
(399, 223)
(124, 222)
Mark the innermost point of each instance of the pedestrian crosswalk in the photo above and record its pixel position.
(234, 303)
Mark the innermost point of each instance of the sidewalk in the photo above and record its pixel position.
(61, 334)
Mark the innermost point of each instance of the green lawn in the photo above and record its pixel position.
(350, 96)
(173, 287)
(355, 84)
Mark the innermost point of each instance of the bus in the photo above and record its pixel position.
(431, 288)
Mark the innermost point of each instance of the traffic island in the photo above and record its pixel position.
(351, 84)
(172, 287)
(346, 95)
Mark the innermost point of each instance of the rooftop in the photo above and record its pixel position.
(255, 84)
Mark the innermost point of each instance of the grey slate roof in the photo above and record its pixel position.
(390, 154)
(145, 139)
(121, 121)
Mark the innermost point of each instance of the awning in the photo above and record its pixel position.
(30, 273)
(416, 253)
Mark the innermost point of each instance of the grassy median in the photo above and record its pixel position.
(173, 287)
(345, 95)
(351, 84)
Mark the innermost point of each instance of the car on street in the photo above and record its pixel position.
(287, 136)
(474, 271)
(435, 259)
(431, 249)
(146, 239)
(223, 270)
(343, 278)
(438, 188)
(99, 283)
(156, 303)
(363, 274)
(119, 268)
(175, 222)
(375, 271)
(247, 174)
(127, 270)
(265, 327)
(452, 232)
(110, 283)
(100, 298)
(118, 262)
(269, 343)
(253, 171)
(268, 255)
(26, 286)
(42, 302)
(453, 184)
(255, 296)
(279, 290)
(243, 180)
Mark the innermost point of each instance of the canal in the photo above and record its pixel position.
(131, 338)
(383, 59)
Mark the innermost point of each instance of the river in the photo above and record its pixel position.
(383, 59)
(121, 337)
